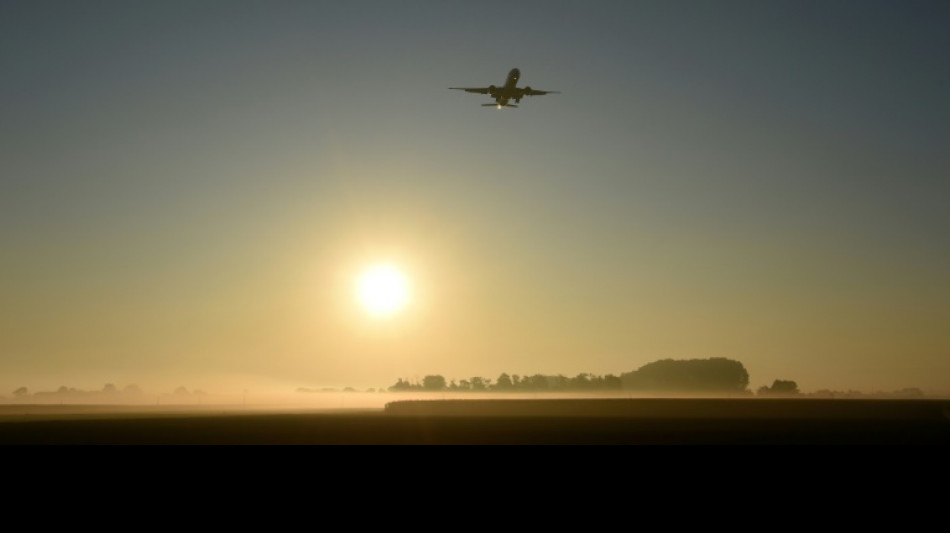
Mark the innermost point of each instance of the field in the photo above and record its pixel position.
(641, 421)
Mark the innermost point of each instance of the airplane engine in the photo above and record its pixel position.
(527, 90)
(492, 89)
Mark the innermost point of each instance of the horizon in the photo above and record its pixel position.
(236, 195)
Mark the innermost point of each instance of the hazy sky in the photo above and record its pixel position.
(188, 189)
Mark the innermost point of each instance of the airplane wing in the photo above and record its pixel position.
(479, 90)
(533, 92)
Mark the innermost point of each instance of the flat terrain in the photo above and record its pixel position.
(552, 421)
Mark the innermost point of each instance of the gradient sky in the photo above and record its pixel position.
(188, 188)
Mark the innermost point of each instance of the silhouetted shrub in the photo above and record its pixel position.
(780, 388)
(714, 375)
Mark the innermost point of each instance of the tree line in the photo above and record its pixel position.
(512, 383)
(714, 375)
(108, 390)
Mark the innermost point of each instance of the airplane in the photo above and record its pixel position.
(507, 92)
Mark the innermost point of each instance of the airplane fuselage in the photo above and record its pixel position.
(509, 91)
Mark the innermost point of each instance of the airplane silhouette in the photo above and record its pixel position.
(507, 92)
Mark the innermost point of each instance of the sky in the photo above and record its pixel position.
(189, 190)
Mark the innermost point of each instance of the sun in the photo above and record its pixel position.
(382, 290)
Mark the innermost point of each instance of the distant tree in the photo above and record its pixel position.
(480, 384)
(715, 375)
(433, 383)
(559, 383)
(400, 385)
(132, 389)
(504, 383)
(181, 391)
(581, 382)
(612, 382)
(785, 386)
(109, 388)
(22, 391)
(537, 382)
(780, 388)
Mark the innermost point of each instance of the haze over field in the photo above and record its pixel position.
(242, 194)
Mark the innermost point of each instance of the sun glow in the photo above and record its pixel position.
(382, 290)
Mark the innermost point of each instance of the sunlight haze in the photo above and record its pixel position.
(232, 195)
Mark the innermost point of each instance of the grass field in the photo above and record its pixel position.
(492, 422)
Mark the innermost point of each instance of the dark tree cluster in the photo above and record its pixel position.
(714, 375)
(780, 388)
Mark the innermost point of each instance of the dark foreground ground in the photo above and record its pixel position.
(574, 421)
